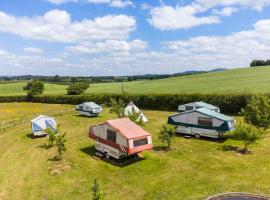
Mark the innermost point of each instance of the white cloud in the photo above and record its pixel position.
(146, 6)
(227, 11)
(60, 1)
(114, 47)
(112, 3)
(3, 53)
(255, 4)
(170, 18)
(234, 50)
(166, 17)
(120, 57)
(56, 25)
(99, 1)
(120, 3)
(33, 50)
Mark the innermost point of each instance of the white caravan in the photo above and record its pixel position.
(89, 109)
(202, 122)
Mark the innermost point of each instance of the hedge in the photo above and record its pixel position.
(231, 104)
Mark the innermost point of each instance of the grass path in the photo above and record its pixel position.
(193, 170)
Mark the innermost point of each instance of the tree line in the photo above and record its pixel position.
(257, 63)
(99, 79)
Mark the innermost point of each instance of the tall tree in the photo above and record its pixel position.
(35, 87)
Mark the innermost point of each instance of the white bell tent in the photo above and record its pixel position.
(132, 107)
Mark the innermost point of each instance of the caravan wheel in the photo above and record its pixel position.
(107, 156)
(197, 135)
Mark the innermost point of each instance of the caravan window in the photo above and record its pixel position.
(189, 107)
(111, 135)
(80, 107)
(140, 142)
(205, 121)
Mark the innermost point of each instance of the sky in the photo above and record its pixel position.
(130, 37)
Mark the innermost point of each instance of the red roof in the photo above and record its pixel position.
(127, 128)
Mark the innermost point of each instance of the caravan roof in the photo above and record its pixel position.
(205, 105)
(127, 128)
(91, 104)
(209, 113)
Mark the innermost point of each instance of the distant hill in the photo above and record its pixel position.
(101, 79)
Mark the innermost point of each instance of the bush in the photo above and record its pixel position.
(117, 107)
(248, 134)
(34, 87)
(230, 104)
(77, 88)
(257, 111)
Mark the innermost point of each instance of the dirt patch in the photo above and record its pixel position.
(59, 168)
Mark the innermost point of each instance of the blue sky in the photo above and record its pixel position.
(127, 37)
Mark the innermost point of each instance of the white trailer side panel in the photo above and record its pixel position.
(192, 118)
(101, 131)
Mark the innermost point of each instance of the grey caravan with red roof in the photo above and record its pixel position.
(120, 138)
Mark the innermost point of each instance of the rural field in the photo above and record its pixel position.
(192, 170)
(236, 81)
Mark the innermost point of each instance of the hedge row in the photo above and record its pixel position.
(231, 104)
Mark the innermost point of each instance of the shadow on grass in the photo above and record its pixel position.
(191, 137)
(54, 159)
(83, 116)
(235, 149)
(160, 148)
(44, 146)
(31, 136)
(122, 162)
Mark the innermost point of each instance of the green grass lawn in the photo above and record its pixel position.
(194, 169)
(236, 81)
(12, 89)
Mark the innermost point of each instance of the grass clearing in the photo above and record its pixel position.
(193, 170)
(235, 81)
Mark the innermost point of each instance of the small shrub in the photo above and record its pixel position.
(118, 107)
(97, 194)
(136, 117)
(60, 144)
(248, 134)
(166, 134)
(51, 136)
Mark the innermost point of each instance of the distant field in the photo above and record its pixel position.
(192, 170)
(10, 89)
(244, 80)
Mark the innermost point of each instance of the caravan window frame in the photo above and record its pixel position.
(111, 135)
(140, 142)
(187, 107)
(206, 121)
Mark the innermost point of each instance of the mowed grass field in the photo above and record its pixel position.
(236, 81)
(12, 89)
(193, 170)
